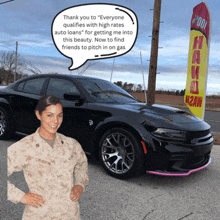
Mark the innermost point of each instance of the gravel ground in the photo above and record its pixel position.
(216, 139)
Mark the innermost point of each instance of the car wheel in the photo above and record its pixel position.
(6, 129)
(120, 154)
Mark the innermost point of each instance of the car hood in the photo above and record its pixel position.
(169, 113)
(161, 111)
(159, 116)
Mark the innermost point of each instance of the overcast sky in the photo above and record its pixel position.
(29, 23)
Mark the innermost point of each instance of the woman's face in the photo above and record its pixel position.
(51, 119)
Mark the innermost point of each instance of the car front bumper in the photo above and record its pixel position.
(167, 173)
(173, 159)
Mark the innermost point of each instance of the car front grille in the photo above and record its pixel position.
(187, 162)
(198, 136)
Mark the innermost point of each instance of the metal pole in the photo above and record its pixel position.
(154, 54)
(112, 69)
(16, 61)
(145, 95)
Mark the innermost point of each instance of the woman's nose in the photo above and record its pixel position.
(55, 119)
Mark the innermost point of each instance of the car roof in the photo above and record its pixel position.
(79, 77)
(61, 75)
(53, 74)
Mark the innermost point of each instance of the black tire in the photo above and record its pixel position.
(6, 126)
(121, 154)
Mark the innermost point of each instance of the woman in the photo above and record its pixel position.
(50, 161)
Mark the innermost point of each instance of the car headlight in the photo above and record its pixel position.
(169, 134)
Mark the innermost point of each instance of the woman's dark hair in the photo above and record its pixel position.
(46, 101)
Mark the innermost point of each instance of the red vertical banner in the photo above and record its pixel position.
(196, 82)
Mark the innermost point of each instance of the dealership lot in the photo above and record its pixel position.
(147, 197)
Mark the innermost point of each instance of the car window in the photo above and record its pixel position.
(20, 86)
(106, 92)
(58, 87)
(33, 86)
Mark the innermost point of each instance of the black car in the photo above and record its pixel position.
(129, 136)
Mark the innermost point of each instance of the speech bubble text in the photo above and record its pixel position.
(94, 31)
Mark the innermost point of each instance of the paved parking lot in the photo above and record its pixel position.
(149, 197)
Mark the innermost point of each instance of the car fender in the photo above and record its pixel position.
(6, 105)
(125, 122)
(3, 100)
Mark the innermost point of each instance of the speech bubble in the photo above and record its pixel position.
(94, 31)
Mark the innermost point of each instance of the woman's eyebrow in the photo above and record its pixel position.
(54, 113)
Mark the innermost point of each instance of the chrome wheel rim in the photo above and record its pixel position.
(2, 122)
(117, 153)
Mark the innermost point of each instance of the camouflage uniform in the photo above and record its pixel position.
(49, 172)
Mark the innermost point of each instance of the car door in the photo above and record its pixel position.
(24, 102)
(75, 122)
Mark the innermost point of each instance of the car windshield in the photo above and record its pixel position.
(105, 92)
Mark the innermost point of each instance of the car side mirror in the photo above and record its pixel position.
(74, 97)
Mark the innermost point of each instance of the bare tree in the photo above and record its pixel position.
(8, 67)
(6, 76)
(8, 61)
(139, 87)
(118, 83)
(83, 69)
(130, 86)
(31, 68)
